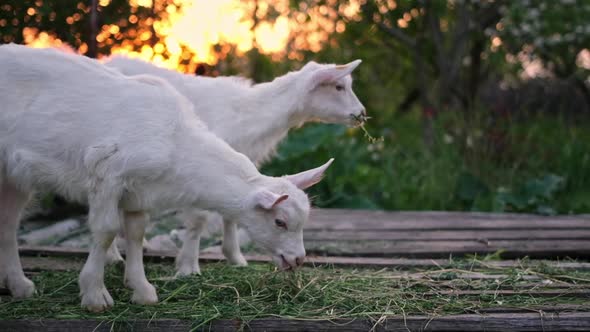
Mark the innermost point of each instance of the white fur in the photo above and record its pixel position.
(253, 119)
(123, 145)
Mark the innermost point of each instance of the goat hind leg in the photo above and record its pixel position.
(231, 244)
(113, 254)
(187, 260)
(104, 219)
(143, 291)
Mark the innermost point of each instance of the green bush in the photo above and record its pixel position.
(541, 165)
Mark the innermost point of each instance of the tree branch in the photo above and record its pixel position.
(437, 37)
(460, 37)
(490, 15)
(398, 34)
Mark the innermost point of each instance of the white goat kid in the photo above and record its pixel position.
(125, 145)
(253, 119)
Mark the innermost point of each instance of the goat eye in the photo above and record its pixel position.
(280, 223)
(339, 87)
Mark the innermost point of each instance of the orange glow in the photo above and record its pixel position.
(36, 39)
(184, 33)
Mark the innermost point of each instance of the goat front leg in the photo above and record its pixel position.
(143, 291)
(105, 221)
(12, 202)
(231, 244)
(187, 260)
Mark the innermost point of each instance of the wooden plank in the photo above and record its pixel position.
(460, 278)
(576, 321)
(420, 249)
(530, 308)
(405, 263)
(336, 219)
(445, 235)
(577, 293)
(528, 289)
(376, 262)
(562, 307)
(36, 263)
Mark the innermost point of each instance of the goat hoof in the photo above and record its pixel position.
(21, 288)
(145, 295)
(187, 270)
(97, 301)
(113, 257)
(238, 260)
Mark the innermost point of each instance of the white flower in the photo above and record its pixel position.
(448, 139)
(467, 61)
(555, 38)
(526, 27)
(533, 13)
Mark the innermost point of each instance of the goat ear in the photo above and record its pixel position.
(333, 74)
(267, 200)
(310, 177)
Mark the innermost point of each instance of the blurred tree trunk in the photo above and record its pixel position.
(439, 55)
(254, 53)
(427, 109)
(92, 47)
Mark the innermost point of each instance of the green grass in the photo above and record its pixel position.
(313, 293)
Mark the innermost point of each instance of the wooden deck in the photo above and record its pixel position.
(440, 234)
(406, 241)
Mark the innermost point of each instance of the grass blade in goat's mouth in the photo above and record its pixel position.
(360, 121)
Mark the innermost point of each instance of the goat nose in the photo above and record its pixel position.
(299, 260)
(364, 112)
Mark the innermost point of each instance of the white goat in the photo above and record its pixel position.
(126, 145)
(253, 119)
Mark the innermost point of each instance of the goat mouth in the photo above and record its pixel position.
(285, 266)
(359, 119)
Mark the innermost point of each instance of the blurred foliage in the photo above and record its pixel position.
(70, 21)
(507, 149)
(483, 105)
(546, 171)
(554, 32)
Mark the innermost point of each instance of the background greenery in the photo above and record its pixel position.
(460, 121)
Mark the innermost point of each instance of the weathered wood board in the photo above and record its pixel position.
(335, 232)
(29, 252)
(541, 321)
(349, 233)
